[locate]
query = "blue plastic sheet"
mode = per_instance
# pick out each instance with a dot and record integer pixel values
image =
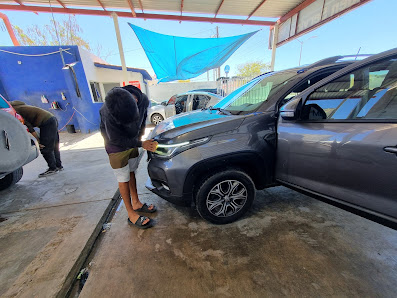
(182, 58)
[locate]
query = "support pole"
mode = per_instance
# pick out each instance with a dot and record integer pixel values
(9, 29)
(120, 44)
(217, 36)
(274, 46)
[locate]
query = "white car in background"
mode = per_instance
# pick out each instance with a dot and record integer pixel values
(180, 103)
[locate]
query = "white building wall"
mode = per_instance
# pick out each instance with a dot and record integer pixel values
(106, 75)
(164, 91)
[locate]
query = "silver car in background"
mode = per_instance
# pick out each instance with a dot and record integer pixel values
(180, 103)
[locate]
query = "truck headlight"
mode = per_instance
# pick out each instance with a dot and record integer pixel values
(170, 150)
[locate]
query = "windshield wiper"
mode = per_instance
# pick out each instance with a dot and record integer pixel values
(218, 109)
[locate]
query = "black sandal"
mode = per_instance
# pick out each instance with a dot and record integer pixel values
(139, 222)
(145, 209)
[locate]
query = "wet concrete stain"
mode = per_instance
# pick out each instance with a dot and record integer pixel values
(12, 266)
(287, 245)
(43, 236)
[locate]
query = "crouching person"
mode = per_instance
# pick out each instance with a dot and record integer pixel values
(49, 137)
(120, 127)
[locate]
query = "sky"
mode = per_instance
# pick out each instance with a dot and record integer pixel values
(370, 28)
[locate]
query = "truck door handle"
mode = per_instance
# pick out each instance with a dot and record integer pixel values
(7, 141)
(391, 149)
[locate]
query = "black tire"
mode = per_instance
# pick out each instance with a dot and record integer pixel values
(215, 191)
(11, 179)
(156, 118)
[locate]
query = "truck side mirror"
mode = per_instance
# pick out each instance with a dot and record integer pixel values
(290, 110)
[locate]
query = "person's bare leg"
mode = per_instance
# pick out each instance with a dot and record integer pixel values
(125, 194)
(136, 203)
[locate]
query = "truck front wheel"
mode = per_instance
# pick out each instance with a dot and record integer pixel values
(225, 196)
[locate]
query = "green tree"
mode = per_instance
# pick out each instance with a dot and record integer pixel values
(251, 69)
(65, 32)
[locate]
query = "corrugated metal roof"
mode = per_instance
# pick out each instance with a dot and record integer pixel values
(295, 17)
(232, 8)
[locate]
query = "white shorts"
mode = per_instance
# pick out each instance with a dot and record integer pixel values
(123, 163)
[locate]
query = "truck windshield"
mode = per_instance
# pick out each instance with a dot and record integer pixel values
(251, 96)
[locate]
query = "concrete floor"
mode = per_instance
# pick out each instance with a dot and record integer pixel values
(288, 245)
(52, 222)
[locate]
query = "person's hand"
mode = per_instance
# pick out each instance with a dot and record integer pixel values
(36, 136)
(149, 145)
(41, 146)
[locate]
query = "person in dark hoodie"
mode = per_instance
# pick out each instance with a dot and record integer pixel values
(49, 137)
(120, 128)
(143, 104)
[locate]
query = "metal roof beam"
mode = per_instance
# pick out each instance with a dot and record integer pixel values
(181, 10)
(63, 5)
(315, 26)
(101, 4)
(9, 29)
(140, 4)
(297, 9)
(132, 8)
(256, 9)
(137, 15)
(219, 8)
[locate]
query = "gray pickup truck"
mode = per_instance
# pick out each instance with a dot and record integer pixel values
(328, 130)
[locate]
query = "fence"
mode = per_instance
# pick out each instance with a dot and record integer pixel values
(225, 85)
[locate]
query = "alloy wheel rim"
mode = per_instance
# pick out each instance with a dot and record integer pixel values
(157, 120)
(226, 198)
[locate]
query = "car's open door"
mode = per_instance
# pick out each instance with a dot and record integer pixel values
(339, 137)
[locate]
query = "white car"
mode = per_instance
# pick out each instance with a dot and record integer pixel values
(180, 103)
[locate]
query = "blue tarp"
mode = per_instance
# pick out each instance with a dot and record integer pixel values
(182, 58)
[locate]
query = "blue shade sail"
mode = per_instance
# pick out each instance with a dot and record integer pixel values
(182, 58)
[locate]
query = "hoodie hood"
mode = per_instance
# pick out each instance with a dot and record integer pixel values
(143, 101)
(142, 107)
(134, 91)
(121, 106)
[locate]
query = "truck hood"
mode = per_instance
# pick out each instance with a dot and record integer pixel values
(194, 125)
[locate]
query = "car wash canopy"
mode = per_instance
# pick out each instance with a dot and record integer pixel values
(288, 18)
(182, 58)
